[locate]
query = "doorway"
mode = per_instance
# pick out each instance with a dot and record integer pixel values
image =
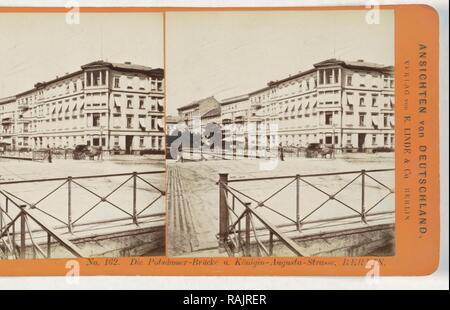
(361, 142)
(128, 144)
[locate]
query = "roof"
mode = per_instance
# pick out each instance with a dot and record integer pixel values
(358, 64)
(172, 119)
(127, 66)
(194, 104)
(212, 113)
(234, 99)
(7, 99)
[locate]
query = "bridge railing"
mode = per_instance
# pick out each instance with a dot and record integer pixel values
(233, 231)
(69, 196)
(238, 229)
(14, 232)
(23, 220)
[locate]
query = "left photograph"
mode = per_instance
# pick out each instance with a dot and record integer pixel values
(82, 170)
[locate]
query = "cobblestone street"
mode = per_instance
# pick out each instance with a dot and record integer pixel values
(193, 193)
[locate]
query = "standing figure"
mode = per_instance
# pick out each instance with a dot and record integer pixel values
(49, 153)
(281, 152)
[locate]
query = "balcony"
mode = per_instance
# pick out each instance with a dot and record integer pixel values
(7, 120)
(23, 105)
(256, 106)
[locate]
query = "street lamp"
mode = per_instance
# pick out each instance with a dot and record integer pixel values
(101, 142)
(334, 140)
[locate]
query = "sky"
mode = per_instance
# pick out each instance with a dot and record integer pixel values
(231, 53)
(39, 47)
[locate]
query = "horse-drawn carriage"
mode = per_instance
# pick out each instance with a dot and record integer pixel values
(313, 150)
(83, 151)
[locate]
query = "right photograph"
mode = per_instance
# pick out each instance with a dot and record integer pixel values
(280, 133)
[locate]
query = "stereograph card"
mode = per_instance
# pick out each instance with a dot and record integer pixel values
(219, 141)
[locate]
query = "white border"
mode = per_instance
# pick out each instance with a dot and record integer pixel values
(438, 280)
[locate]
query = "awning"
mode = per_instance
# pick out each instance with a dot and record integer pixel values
(160, 103)
(74, 106)
(392, 121)
(117, 102)
(391, 101)
(160, 123)
(307, 105)
(54, 110)
(315, 103)
(67, 107)
(142, 123)
(279, 109)
(350, 100)
(60, 109)
(293, 107)
(7, 115)
(375, 121)
(287, 109)
(239, 138)
(82, 106)
(240, 114)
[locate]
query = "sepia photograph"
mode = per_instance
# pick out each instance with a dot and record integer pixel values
(280, 133)
(82, 170)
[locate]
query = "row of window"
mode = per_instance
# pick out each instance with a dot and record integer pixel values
(138, 83)
(388, 140)
(155, 142)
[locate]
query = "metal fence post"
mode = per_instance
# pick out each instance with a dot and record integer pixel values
(363, 189)
(134, 198)
(69, 203)
(223, 209)
(271, 243)
(49, 245)
(22, 233)
(247, 232)
(297, 183)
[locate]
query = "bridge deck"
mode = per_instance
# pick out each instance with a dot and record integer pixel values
(101, 230)
(193, 201)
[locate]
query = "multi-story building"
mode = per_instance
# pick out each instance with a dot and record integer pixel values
(171, 124)
(348, 104)
(202, 111)
(116, 106)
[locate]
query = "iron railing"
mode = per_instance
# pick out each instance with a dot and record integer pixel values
(237, 236)
(222, 153)
(11, 249)
(15, 209)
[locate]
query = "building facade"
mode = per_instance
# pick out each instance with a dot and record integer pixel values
(347, 104)
(116, 106)
(199, 113)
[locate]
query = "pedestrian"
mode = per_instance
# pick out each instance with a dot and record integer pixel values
(281, 152)
(49, 153)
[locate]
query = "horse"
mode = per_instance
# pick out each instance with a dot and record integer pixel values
(325, 150)
(93, 151)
